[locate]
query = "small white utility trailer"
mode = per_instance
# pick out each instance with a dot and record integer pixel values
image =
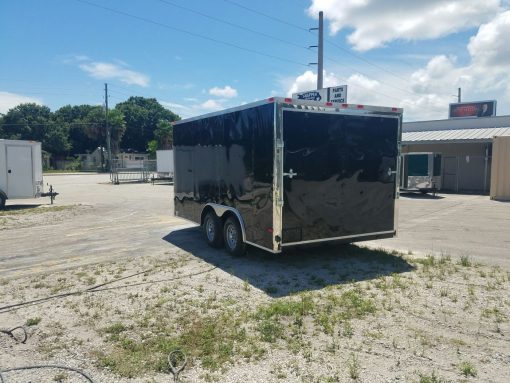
(165, 163)
(164, 166)
(21, 171)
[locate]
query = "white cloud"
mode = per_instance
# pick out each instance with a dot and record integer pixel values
(308, 81)
(430, 89)
(212, 105)
(377, 22)
(9, 100)
(111, 71)
(226, 92)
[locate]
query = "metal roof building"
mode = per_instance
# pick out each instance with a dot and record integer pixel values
(465, 145)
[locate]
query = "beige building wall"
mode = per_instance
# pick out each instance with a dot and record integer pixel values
(500, 179)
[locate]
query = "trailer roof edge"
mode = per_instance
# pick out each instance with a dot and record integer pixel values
(314, 105)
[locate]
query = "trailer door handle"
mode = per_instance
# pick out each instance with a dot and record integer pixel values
(390, 172)
(290, 174)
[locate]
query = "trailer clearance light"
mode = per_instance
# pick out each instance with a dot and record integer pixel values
(329, 104)
(269, 230)
(271, 99)
(345, 105)
(394, 109)
(288, 100)
(360, 106)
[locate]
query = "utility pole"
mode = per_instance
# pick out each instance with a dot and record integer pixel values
(458, 96)
(108, 138)
(320, 51)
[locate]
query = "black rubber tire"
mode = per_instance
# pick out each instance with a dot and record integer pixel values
(2, 201)
(212, 230)
(233, 237)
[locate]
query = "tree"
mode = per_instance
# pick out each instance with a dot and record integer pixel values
(164, 134)
(95, 127)
(75, 119)
(35, 122)
(142, 116)
(26, 122)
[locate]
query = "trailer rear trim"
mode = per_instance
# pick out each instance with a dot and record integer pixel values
(338, 238)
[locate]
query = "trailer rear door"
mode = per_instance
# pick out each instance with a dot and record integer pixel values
(339, 175)
(20, 177)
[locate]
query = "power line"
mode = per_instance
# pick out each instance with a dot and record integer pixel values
(267, 16)
(217, 41)
(327, 40)
(226, 22)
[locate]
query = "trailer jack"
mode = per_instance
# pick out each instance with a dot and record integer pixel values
(52, 194)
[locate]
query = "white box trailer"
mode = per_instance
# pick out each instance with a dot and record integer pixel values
(165, 163)
(21, 173)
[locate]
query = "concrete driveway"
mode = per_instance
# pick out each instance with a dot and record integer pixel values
(132, 220)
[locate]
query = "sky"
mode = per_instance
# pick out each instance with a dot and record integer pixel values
(198, 56)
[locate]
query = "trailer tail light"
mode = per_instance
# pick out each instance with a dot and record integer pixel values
(360, 106)
(329, 104)
(271, 99)
(288, 99)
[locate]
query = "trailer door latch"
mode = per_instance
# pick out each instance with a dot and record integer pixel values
(390, 172)
(290, 174)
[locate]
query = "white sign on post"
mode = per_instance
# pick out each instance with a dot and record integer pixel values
(336, 94)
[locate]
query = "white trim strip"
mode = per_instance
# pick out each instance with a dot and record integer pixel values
(262, 247)
(337, 238)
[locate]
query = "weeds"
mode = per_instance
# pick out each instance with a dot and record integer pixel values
(467, 369)
(33, 321)
(353, 366)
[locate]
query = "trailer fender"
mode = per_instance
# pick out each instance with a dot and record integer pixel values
(220, 211)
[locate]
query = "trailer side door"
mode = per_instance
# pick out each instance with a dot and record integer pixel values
(20, 177)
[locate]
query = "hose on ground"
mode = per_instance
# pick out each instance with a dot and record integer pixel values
(57, 366)
(12, 333)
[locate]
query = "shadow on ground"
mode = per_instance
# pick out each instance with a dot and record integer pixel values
(420, 195)
(296, 270)
(20, 207)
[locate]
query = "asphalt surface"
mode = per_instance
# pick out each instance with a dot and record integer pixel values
(132, 220)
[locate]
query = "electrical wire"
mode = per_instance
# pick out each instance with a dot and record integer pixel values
(327, 40)
(194, 34)
(99, 288)
(226, 22)
(57, 366)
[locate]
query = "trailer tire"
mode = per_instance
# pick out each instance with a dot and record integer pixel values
(2, 200)
(213, 230)
(233, 237)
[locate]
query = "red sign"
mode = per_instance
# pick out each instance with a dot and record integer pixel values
(473, 109)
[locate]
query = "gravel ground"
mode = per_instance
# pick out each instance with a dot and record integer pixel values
(326, 314)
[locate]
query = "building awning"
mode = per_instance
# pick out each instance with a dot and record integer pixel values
(453, 136)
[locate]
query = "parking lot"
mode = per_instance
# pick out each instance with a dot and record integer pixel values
(108, 281)
(106, 222)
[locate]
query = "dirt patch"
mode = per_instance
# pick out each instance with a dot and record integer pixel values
(335, 314)
(22, 217)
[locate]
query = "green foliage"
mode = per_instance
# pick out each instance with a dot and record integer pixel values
(164, 134)
(152, 146)
(142, 116)
(467, 369)
(33, 321)
(77, 129)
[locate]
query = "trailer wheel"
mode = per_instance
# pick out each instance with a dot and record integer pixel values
(233, 237)
(212, 230)
(2, 201)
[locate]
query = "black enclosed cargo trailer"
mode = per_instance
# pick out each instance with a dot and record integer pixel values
(283, 172)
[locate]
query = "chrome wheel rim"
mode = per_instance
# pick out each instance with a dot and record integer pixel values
(209, 229)
(231, 236)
